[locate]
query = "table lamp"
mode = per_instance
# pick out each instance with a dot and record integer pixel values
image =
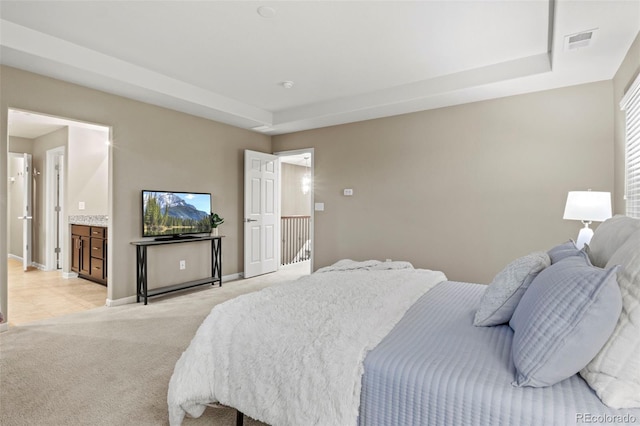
(587, 206)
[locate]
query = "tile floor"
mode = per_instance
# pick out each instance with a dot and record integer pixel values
(36, 294)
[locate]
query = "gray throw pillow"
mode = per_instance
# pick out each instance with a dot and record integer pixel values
(505, 291)
(563, 320)
(563, 250)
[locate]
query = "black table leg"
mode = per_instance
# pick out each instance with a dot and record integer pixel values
(216, 260)
(141, 273)
(239, 418)
(144, 276)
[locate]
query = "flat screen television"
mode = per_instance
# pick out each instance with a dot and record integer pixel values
(170, 214)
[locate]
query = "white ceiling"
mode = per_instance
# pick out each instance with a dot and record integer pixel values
(26, 124)
(349, 60)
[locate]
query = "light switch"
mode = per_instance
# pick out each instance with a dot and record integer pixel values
(80, 205)
(319, 207)
(348, 192)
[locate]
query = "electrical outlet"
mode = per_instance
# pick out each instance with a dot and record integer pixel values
(183, 264)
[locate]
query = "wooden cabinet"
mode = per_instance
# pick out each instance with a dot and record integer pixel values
(80, 249)
(89, 252)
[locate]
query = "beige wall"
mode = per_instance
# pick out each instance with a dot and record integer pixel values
(294, 201)
(152, 147)
(87, 172)
(17, 144)
(623, 79)
(464, 189)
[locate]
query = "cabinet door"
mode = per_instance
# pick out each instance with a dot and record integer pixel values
(76, 253)
(85, 257)
(97, 269)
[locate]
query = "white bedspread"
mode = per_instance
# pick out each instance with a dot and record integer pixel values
(293, 354)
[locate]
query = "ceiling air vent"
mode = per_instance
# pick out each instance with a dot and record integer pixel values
(579, 40)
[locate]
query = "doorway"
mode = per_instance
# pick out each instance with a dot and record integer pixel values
(296, 209)
(55, 143)
(19, 208)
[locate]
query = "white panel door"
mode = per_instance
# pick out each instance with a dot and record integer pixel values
(261, 213)
(27, 217)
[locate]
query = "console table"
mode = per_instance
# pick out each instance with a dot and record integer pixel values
(141, 266)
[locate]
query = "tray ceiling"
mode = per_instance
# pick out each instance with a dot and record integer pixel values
(347, 60)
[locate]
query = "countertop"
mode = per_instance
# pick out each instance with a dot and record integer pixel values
(90, 220)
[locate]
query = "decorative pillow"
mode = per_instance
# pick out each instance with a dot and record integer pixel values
(505, 291)
(563, 250)
(563, 320)
(609, 236)
(615, 372)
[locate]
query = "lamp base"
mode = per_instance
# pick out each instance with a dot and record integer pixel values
(584, 236)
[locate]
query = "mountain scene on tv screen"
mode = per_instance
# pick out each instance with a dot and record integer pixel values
(169, 214)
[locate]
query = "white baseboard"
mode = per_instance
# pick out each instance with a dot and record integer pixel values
(127, 300)
(232, 277)
(119, 302)
(34, 264)
(39, 266)
(132, 299)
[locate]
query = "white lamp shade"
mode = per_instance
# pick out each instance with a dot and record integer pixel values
(588, 206)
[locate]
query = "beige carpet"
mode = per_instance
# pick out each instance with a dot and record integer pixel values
(109, 366)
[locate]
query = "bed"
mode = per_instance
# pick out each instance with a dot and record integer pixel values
(554, 339)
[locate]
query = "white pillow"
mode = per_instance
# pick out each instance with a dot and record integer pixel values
(505, 291)
(615, 372)
(609, 236)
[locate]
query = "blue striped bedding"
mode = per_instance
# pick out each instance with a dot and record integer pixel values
(436, 368)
